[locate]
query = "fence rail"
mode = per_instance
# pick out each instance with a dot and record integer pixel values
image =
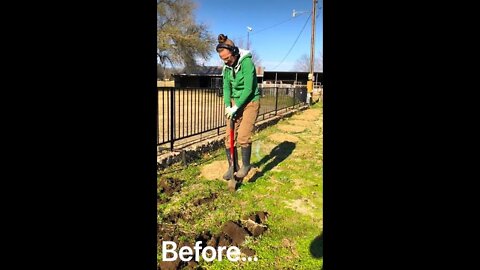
(192, 112)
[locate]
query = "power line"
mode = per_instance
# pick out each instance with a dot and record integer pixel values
(320, 8)
(295, 41)
(266, 28)
(261, 30)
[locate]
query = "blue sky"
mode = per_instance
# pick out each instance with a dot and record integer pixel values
(274, 29)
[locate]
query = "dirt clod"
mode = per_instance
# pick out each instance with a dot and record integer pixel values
(236, 232)
(224, 240)
(168, 186)
(170, 265)
(233, 233)
(262, 216)
(201, 201)
(247, 251)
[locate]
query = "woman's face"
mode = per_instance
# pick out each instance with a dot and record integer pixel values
(227, 57)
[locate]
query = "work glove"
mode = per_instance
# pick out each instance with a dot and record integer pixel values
(230, 111)
(227, 109)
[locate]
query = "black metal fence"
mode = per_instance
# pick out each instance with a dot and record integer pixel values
(188, 112)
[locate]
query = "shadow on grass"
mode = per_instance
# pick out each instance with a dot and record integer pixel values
(316, 247)
(278, 154)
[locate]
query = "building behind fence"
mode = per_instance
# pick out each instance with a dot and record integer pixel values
(189, 114)
(211, 77)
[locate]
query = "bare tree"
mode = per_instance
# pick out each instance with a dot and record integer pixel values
(255, 57)
(162, 60)
(165, 73)
(303, 63)
(180, 40)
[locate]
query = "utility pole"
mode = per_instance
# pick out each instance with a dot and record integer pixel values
(312, 55)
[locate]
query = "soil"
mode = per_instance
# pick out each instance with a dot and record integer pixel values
(278, 137)
(233, 233)
(208, 199)
(168, 186)
(291, 128)
(299, 123)
(250, 175)
(216, 169)
(308, 115)
(301, 206)
(305, 117)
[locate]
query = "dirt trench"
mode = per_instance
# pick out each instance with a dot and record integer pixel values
(232, 233)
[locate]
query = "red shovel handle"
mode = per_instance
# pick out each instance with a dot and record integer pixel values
(232, 143)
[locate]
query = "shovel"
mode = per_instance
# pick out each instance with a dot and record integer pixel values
(232, 182)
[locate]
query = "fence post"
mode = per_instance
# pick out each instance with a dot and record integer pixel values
(294, 90)
(184, 158)
(276, 99)
(172, 118)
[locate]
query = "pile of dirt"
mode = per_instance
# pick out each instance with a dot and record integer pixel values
(215, 170)
(171, 232)
(168, 186)
(208, 199)
(233, 233)
(254, 223)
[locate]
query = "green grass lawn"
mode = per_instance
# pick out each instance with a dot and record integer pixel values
(289, 187)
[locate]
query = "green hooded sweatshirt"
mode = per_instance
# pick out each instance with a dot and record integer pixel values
(240, 82)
